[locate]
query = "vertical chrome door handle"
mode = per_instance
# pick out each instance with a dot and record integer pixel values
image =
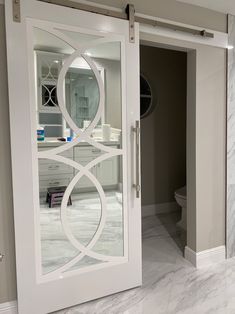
(136, 130)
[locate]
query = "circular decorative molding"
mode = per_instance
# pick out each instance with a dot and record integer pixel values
(83, 170)
(146, 99)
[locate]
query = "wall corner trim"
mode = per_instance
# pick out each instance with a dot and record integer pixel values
(8, 308)
(205, 258)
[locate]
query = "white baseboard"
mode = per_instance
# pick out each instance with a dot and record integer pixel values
(151, 210)
(205, 258)
(8, 308)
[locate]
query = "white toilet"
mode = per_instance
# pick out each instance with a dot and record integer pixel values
(181, 199)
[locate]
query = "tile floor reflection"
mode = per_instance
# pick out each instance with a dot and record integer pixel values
(83, 217)
(171, 285)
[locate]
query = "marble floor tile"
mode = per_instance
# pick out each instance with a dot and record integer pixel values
(171, 285)
(83, 219)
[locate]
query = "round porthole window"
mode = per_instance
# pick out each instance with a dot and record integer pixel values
(146, 103)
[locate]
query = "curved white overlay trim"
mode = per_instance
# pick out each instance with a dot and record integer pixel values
(84, 250)
(82, 48)
(81, 136)
(61, 95)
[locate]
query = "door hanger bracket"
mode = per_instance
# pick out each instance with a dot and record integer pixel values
(130, 11)
(16, 10)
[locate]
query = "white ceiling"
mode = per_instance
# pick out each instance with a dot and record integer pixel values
(224, 6)
(47, 42)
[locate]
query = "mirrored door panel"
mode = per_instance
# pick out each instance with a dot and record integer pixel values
(81, 158)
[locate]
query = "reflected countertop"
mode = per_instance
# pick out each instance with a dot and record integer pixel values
(49, 143)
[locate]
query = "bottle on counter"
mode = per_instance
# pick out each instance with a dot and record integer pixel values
(40, 134)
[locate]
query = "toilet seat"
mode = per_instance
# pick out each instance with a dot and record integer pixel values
(181, 193)
(181, 199)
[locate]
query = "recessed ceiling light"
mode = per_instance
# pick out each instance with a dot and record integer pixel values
(230, 47)
(56, 61)
(88, 54)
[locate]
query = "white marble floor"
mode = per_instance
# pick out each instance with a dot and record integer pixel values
(83, 220)
(170, 284)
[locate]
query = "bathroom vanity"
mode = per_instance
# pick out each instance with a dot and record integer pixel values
(82, 97)
(53, 173)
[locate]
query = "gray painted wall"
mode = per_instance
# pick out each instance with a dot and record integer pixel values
(191, 149)
(206, 116)
(166, 9)
(7, 267)
(210, 147)
(163, 132)
(175, 11)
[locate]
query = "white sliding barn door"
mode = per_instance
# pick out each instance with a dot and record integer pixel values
(73, 75)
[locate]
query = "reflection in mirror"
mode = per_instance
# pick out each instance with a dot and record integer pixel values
(79, 38)
(111, 241)
(53, 178)
(107, 56)
(84, 262)
(82, 93)
(86, 206)
(81, 90)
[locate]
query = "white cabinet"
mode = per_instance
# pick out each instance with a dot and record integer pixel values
(51, 168)
(49, 115)
(53, 173)
(48, 68)
(107, 172)
(47, 181)
(85, 182)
